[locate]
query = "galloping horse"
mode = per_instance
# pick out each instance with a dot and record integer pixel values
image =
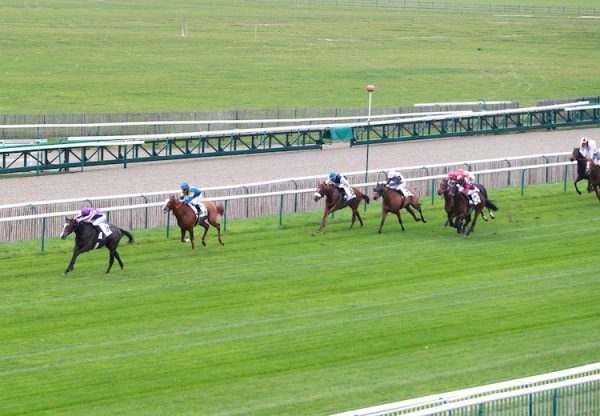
(334, 200)
(444, 189)
(594, 176)
(86, 239)
(394, 202)
(458, 209)
(186, 218)
(581, 169)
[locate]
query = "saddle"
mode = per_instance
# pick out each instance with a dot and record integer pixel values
(200, 211)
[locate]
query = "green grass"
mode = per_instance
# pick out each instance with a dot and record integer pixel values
(83, 56)
(278, 322)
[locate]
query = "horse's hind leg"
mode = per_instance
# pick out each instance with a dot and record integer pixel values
(205, 226)
(119, 259)
(355, 212)
(215, 224)
(111, 260)
(411, 212)
(399, 219)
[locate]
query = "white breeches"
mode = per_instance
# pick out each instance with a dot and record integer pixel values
(99, 220)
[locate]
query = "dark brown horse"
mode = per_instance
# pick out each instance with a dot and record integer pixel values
(458, 209)
(594, 175)
(582, 169)
(186, 218)
(443, 189)
(334, 200)
(393, 202)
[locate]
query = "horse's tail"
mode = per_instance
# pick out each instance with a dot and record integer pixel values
(366, 198)
(489, 204)
(128, 234)
(220, 209)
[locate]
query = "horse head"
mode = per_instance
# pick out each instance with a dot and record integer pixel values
(379, 190)
(171, 203)
(70, 226)
(322, 190)
(576, 155)
(443, 187)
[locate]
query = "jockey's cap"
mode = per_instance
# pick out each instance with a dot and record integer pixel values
(391, 174)
(332, 175)
(584, 140)
(86, 210)
(184, 186)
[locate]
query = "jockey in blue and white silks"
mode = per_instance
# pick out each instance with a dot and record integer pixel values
(191, 196)
(340, 182)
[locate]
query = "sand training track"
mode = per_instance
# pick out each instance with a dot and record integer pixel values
(233, 170)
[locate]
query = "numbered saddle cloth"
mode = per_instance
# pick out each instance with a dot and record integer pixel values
(200, 211)
(104, 231)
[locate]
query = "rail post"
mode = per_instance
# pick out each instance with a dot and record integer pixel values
(546, 160)
(280, 209)
(295, 195)
(145, 211)
(125, 157)
(565, 178)
(168, 223)
(247, 199)
(523, 171)
(225, 215)
(43, 233)
(508, 177)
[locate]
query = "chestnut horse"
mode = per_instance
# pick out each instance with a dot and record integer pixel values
(186, 218)
(334, 200)
(393, 202)
(444, 189)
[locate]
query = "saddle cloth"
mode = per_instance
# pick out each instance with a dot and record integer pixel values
(104, 229)
(203, 211)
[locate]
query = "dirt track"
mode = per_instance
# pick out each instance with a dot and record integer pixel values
(230, 170)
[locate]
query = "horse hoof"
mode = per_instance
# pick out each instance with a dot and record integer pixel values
(187, 240)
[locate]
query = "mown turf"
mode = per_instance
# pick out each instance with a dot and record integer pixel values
(107, 56)
(278, 322)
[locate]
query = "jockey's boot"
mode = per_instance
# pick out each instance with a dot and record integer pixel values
(99, 232)
(349, 197)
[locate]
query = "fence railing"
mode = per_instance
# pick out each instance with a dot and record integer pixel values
(274, 198)
(446, 5)
(516, 397)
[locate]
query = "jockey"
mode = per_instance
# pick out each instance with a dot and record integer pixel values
(95, 217)
(92, 215)
(396, 181)
(340, 182)
(588, 149)
(466, 188)
(191, 196)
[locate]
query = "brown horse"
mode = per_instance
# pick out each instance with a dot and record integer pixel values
(186, 218)
(458, 209)
(594, 175)
(582, 169)
(393, 202)
(334, 200)
(444, 189)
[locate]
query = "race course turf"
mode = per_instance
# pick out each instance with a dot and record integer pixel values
(279, 322)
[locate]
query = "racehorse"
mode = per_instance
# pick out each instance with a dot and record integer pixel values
(334, 200)
(458, 209)
(581, 169)
(394, 202)
(86, 239)
(444, 189)
(594, 176)
(186, 218)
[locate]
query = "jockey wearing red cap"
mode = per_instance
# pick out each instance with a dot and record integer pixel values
(466, 187)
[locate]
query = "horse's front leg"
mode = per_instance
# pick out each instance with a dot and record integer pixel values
(575, 183)
(384, 213)
(183, 235)
(191, 233)
(325, 217)
(71, 265)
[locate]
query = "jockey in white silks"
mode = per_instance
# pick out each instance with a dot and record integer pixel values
(396, 181)
(340, 182)
(588, 149)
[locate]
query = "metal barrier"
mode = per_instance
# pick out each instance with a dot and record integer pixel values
(156, 147)
(555, 393)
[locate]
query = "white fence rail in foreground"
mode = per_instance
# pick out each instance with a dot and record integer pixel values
(575, 391)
